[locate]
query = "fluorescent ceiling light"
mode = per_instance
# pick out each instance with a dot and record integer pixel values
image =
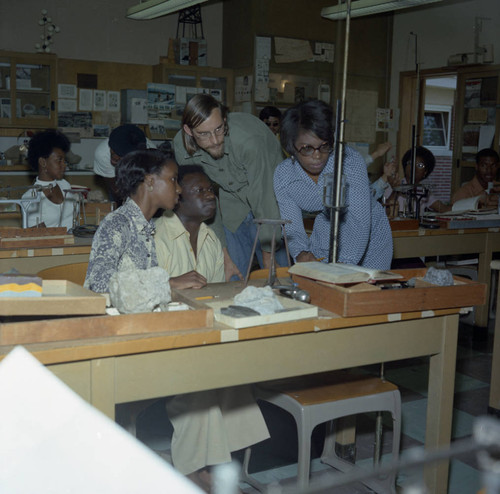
(369, 7)
(156, 8)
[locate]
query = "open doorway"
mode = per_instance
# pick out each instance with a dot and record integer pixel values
(437, 131)
(427, 117)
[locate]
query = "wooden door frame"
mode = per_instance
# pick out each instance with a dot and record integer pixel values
(408, 104)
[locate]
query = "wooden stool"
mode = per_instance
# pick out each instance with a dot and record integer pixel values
(313, 400)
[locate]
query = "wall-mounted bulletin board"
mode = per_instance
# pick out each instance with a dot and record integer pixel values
(288, 70)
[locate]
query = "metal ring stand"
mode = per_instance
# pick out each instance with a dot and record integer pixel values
(272, 268)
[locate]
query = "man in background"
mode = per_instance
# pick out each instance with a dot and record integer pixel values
(477, 192)
(122, 140)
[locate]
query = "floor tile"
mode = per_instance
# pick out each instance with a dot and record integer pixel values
(414, 378)
(466, 383)
(474, 402)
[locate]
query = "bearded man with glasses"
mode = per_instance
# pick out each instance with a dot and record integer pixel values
(239, 154)
(364, 234)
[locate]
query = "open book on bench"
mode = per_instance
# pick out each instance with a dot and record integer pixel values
(340, 273)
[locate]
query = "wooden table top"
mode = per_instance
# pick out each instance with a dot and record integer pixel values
(148, 332)
(421, 232)
(81, 246)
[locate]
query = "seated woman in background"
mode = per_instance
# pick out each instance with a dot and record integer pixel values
(424, 165)
(47, 155)
(364, 233)
(271, 116)
(208, 425)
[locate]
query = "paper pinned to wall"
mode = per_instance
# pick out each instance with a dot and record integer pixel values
(243, 88)
(385, 119)
(477, 115)
(86, 100)
(262, 47)
(65, 105)
(262, 57)
(139, 110)
(360, 111)
(292, 50)
(66, 91)
(486, 135)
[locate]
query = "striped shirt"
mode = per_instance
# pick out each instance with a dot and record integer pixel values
(364, 233)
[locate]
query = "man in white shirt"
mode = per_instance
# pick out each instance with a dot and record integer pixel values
(122, 140)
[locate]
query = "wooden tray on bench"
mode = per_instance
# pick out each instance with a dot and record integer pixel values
(59, 298)
(363, 299)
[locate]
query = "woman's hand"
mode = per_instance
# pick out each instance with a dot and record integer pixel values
(391, 174)
(381, 150)
(306, 257)
(192, 279)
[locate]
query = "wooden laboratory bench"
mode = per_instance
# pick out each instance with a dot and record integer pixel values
(117, 369)
(147, 356)
(33, 260)
(483, 242)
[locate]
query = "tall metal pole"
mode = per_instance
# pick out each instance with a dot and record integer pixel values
(413, 203)
(339, 148)
(417, 110)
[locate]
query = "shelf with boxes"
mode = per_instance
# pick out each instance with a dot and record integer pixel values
(27, 90)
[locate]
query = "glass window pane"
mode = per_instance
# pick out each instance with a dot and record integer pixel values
(434, 120)
(434, 138)
(33, 91)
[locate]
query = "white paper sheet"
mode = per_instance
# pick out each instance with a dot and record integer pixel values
(486, 135)
(52, 441)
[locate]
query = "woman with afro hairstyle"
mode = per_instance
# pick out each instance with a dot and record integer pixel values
(47, 155)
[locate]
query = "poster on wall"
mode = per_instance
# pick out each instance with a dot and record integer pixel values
(324, 52)
(66, 91)
(113, 100)
(66, 105)
(139, 111)
(86, 100)
(243, 88)
(361, 110)
(161, 101)
(262, 58)
(288, 50)
(99, 100)
(384, 119)
(76, 122)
